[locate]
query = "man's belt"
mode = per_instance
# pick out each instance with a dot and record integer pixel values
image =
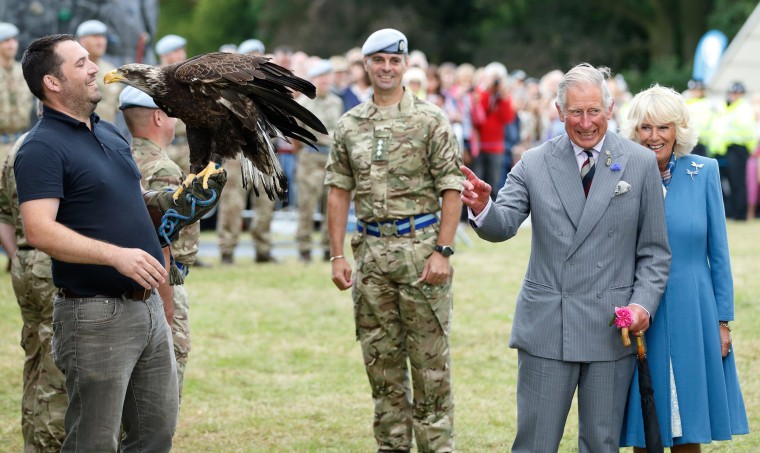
(138, 294)
(398, 227)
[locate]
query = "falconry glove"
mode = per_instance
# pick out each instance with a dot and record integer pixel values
(169, 216)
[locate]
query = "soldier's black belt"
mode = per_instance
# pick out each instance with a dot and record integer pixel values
(138, 294)
(398, 227)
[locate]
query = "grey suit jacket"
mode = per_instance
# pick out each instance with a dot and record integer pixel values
(587, 255)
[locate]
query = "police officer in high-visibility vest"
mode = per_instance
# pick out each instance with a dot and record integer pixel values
(735, 136)
(702, 112)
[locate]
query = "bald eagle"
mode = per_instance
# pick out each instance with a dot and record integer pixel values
(231, 104)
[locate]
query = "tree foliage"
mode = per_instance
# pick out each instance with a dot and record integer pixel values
(646, 39)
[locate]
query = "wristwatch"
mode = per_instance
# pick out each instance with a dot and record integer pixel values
(444, 250)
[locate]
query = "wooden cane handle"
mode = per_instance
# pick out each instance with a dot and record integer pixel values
(624, 337)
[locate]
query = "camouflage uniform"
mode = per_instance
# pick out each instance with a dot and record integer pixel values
(179, 151)
(398, 160)
(44, 400)
(15, 107)
(159, 173)
(263, 210)
(310, 176)
(109, 104)
(231, 205)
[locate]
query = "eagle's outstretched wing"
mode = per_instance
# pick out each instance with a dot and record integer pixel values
(259, 94)
(232, 104)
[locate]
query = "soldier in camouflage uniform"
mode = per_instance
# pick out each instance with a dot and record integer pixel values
(44, 400)
(399, 155)
(92, 36)
(310, 176)
(15, 98)
(152, 131)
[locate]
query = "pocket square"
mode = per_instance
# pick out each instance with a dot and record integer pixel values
(621, 188)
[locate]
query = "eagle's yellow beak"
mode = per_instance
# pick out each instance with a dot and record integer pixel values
(113, 77)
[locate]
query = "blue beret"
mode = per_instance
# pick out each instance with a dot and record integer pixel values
(319, 68)
(228, 48)
(132, 97)
(169, 43)
(251, 45)
(386, 40)
(91, 27)
(7, 31)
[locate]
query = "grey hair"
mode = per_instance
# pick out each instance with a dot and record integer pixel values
(661, 105)
(584, 74)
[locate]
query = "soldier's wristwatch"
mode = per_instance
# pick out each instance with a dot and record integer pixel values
(444, 250)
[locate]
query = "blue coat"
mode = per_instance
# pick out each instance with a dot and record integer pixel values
(685, 330)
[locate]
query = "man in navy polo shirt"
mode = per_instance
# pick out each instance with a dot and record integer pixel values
(81, 202)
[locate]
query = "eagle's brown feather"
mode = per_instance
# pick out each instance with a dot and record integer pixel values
(231, 104)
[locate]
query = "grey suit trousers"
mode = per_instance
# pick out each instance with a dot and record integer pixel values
(545, 390)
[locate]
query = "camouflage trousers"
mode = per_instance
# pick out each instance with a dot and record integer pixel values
(44, 400)
(400, 319)
(231, 205)
(181, 332)
(310, 183)
(263, 213)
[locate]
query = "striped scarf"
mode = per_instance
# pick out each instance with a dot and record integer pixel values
(666, 174)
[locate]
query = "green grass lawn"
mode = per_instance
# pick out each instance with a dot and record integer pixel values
(275, 367)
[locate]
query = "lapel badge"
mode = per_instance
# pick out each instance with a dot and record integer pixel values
(608, 160)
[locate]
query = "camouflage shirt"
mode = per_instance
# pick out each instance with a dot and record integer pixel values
(15, 100)
(161, 173)
(398, 159)
(9, 210)
(328, 109)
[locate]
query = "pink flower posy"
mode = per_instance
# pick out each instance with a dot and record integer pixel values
(623, 317)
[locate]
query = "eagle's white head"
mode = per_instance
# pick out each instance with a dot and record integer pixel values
(149, 79)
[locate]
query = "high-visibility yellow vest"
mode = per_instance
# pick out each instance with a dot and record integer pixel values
(735, 126)
(702, 112)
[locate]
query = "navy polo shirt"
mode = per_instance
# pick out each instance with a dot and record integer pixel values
(96, 179)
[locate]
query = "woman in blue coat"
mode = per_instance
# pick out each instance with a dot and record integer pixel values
(696, 387)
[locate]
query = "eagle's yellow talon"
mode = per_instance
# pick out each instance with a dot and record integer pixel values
(211, 169)
(181, 188)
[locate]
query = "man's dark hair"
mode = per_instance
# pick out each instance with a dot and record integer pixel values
(40, 59)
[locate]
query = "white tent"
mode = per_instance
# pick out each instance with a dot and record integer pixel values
(741, 61)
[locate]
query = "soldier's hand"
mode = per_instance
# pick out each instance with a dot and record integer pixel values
(341, 274)
(437, 270)
(476, 192)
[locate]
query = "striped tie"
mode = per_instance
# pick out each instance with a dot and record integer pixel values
(587, 171)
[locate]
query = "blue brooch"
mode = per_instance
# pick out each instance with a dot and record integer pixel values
(616, 167)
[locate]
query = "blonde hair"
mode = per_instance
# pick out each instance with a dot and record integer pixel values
(661, 105)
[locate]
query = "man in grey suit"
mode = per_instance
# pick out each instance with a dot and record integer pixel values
(589, 254)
